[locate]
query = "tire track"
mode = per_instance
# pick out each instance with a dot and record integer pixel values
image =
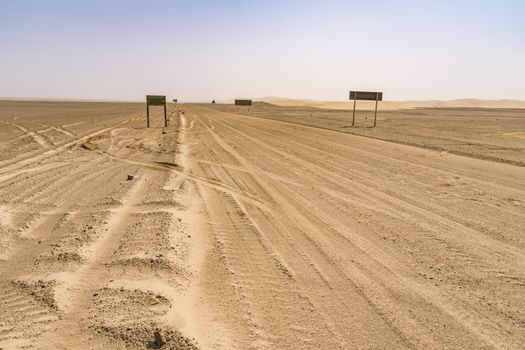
(42, 141)
(22, 318)
(16, 166)
(482, 328)
(341, 339)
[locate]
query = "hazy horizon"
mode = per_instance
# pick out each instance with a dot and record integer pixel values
(203, 50)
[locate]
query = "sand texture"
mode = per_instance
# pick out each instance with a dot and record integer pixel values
(389, 104)
(262, 228)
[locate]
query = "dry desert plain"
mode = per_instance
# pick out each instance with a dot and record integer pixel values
(246, 229)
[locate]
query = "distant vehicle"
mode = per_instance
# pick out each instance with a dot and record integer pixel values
(175, 100)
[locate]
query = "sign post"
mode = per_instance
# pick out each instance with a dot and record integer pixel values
(243, 103)
(366, 96)
(375, 111)
(353, 115)
(156, 100)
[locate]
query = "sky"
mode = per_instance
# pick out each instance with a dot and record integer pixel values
(198, 50)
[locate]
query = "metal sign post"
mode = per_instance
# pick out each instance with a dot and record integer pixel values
(366, 96)
(353, 115)
(156, 100)
(147, 114)
(375, 111)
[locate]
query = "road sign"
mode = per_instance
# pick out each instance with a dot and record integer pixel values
(366, 96)
(156, 100)
(243, 102)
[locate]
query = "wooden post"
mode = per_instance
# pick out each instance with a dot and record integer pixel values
(375, 113)
(353, 116)
(147, 113)
(166, 117)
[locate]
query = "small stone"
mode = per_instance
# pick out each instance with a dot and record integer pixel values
(158, 339)
(130, 177)
(153, 301)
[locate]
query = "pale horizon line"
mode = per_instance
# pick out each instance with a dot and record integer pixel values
(261, 99)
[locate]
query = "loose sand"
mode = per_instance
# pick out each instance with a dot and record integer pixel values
(390, 105)
(254, 231)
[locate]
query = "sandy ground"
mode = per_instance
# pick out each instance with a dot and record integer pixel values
(394, 105)
(491, 134)
(242, 232)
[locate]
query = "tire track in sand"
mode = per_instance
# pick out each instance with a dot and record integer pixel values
(272, 257)
(483, 329)
(78, 287)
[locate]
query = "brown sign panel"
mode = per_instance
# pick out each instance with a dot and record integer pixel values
(243, 102)
(366, 95)
(155, 100)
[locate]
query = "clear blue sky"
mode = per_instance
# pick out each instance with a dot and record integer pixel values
(198, 49)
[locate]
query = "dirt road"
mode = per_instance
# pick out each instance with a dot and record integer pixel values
(90, 259)
(244, 232)
(485, 133)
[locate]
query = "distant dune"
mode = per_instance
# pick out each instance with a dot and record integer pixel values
(390, 105)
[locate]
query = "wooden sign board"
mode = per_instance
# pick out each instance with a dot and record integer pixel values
(243, 102)
(366, 95)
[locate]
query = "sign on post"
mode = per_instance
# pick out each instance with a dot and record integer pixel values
(156, 100)
(365, 96)
(243, 102)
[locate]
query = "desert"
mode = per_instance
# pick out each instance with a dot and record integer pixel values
(262, 227)
(262, 175)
